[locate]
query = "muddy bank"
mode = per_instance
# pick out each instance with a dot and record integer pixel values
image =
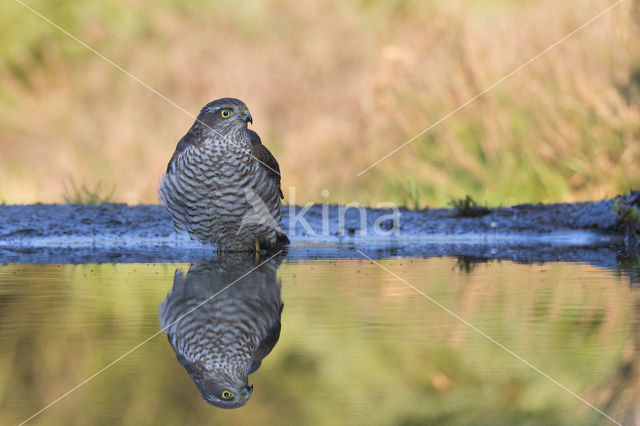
(144, 233)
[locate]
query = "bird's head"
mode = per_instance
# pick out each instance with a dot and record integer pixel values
(220, 387)
(222, 392)
(225, 115)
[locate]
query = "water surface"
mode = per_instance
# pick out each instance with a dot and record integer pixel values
(353, 343)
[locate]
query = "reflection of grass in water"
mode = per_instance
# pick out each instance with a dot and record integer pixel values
(629, 265)
(341, 345)
(84, 195)
(468, 264)
(335, 96)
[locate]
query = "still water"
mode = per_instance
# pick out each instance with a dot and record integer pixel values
(318, 342)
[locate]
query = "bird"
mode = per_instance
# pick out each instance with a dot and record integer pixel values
(222, 185)
(221, 320)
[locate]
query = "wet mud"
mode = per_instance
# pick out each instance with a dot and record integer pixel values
(583, 232)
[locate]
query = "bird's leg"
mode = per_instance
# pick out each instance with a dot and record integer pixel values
(219, 250)
(256, 247)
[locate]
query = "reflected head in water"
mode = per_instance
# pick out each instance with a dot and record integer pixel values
(223, 341)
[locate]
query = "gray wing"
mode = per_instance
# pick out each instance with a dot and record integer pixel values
(191, 138)
(267, 160)
(266, 344)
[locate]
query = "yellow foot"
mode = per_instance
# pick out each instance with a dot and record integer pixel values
(256, 243)
(219, 250)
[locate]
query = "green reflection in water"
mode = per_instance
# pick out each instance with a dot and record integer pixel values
(357, 346)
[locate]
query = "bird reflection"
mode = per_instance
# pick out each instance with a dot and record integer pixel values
(224, 339)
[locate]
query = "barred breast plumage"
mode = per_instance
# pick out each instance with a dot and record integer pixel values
(222, 186)
(222, 319)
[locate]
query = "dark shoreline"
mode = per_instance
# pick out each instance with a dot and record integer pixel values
(576, 232)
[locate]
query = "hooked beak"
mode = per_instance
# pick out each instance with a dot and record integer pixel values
(248, 390)
(246, 117)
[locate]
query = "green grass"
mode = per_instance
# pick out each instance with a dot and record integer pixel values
(628, 221)
(468, 207)
(627, 216)
(85, 195)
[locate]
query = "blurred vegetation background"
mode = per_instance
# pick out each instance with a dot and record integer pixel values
(332, 87)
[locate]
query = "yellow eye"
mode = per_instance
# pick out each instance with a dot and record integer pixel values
(226, 394)
(226, 113)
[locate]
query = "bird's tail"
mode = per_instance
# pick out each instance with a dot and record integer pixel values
(282, 239)
(260, 214)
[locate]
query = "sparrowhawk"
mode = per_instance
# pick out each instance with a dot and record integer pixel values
(222, 185)
(222, 319)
